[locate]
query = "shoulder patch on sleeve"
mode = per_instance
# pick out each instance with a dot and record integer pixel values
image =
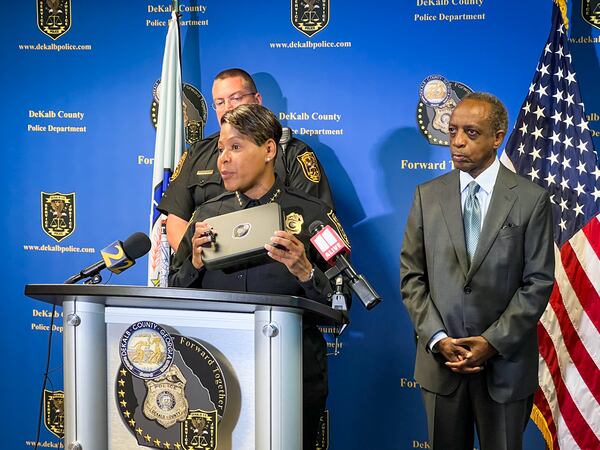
(177, 170)
(338, 226)
(310, 166)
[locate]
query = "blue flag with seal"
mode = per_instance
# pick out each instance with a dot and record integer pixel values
(168, 148)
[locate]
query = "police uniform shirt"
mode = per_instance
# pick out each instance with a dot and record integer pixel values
(299, 211)
(196, 178)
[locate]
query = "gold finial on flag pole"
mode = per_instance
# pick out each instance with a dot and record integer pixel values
(562, 4)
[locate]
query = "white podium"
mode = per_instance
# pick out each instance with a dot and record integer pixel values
(237, 356)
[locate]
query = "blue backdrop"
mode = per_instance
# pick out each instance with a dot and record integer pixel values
(365, 66)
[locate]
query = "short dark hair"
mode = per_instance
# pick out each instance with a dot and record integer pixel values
(498, 113)
(255, 121)
(235, 72)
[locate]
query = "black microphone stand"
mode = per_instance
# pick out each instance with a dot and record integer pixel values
(94, 277)
(93, 273)
(338, 302)
(357, 283)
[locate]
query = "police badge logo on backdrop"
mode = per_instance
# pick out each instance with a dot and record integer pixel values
(310, 16)
(54, 412)
(170, 390)
(590, 11)
(53, 17)
(195, 111)
(58, 214)
(438, 98)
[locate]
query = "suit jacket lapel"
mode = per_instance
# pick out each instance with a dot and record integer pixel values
(449, 199)
(500, 205)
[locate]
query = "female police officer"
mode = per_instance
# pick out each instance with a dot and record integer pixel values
(247, 149)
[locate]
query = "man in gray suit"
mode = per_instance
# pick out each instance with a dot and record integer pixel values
(477, 266)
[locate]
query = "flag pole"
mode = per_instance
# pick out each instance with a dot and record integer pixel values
(175, 7)
(168, 149)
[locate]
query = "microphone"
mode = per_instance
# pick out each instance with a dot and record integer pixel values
(327, 241)
(116, 257)
(334, 250)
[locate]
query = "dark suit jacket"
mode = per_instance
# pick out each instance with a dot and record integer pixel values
(500, 297)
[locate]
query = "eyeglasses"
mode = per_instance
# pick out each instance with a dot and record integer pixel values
(234, 100)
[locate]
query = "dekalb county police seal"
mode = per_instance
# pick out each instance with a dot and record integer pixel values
(53, 17)
(146, 350)
(195, 111)
(310, 16)
(434, 90)
(54, 412)
(438, 98)
(180, 409)
(590, 11)
(58, 214)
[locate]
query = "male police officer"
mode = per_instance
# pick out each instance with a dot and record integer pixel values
(196, 179)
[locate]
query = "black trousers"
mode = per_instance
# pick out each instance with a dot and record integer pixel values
(312, 412)
(314, 383)
(451, 419)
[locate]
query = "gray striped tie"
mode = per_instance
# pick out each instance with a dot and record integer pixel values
(472, 219)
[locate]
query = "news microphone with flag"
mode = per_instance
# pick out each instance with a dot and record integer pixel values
(333, 249)
(116, 257)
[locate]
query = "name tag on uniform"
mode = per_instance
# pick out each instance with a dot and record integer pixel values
(205, 172)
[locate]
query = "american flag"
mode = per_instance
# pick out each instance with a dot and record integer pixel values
(551, 145)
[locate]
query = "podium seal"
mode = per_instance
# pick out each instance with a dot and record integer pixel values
(146, 350)
(165, 401)
(180, 408)
(199, 430)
